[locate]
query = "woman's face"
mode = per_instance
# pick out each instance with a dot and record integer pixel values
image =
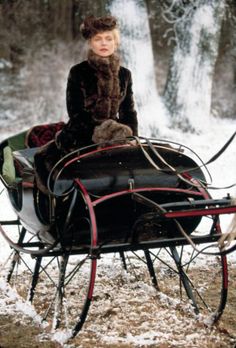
(103, 44)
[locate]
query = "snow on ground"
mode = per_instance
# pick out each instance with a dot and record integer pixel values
(12, 303)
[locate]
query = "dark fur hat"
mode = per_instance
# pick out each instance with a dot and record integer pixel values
(93, 25)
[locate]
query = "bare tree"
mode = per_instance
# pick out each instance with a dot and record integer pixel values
(196, 26)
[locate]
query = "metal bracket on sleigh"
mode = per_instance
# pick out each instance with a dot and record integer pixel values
(123, 198)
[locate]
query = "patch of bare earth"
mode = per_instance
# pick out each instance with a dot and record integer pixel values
(16, 332)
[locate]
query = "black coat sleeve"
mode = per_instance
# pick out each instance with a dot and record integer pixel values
(127, 112)
(78, 131)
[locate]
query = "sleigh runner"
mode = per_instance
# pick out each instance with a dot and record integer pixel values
(150, 197)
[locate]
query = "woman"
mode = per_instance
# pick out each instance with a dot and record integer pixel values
(98, 89)
(99, 97)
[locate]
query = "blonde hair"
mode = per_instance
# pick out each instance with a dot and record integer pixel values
(116, 34)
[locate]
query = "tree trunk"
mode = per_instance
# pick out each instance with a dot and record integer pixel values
(60, 18)
(189, 84)
(161, 44)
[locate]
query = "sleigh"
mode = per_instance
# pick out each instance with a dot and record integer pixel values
(148, 199)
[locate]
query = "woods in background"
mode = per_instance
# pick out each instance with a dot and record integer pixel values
(32, 24)
(35, 22)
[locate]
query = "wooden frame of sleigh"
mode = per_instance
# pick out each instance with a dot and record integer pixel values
(148, 199)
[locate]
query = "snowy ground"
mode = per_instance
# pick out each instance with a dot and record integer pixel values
(127, 311)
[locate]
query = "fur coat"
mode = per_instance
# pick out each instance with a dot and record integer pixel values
(100, 106)
(93, 97)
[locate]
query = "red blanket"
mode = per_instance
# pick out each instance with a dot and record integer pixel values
(40, 135)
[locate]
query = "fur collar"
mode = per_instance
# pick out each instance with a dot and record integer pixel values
(108, 86)
(106, 65)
